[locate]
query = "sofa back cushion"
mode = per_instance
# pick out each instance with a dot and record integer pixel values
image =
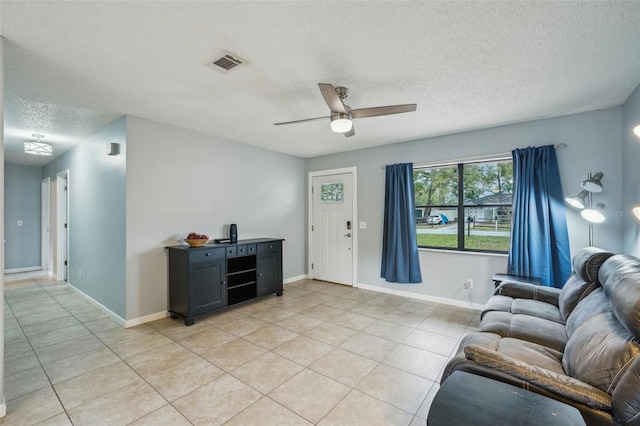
(620, 277)
(600, 349)
(584, 279)
(587, 262)
(625, 400)
(574, 290)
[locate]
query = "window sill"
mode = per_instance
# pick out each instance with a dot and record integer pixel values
(472, 253)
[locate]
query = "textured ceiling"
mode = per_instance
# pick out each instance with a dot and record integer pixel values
(73, 67)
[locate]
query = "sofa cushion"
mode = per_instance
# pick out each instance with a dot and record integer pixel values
(625, 399)
(532, 329)
(531, 307)
(621, 280)
(555, 382)
(587, 262)
(574, 290)
(600, 350)
(594, 303)
(538, 309)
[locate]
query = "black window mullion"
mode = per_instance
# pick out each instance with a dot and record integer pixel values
(461, 216)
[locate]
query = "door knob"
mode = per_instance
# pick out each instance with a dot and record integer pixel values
(348, 235)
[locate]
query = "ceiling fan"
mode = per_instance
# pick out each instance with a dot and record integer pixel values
(342, 115)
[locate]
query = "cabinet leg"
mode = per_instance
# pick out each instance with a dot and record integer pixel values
(279, 293)
(189, 321)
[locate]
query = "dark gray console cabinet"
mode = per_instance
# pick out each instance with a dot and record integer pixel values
(208, 278)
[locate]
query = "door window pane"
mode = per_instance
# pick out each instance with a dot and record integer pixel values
(332, 192)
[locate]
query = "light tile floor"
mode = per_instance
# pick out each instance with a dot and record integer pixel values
(321, 354)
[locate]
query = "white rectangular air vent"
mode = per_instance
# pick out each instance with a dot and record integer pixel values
(225, 62)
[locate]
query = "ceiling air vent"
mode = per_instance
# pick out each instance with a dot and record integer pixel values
(225, 62)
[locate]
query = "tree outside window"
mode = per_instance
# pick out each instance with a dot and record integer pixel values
(464, 206)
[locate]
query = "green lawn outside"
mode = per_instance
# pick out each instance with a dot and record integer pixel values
(477, 242)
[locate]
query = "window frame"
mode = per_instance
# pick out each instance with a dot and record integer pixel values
(460, 207)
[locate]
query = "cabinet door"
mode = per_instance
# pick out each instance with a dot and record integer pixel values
(269, 273)
(207, 286)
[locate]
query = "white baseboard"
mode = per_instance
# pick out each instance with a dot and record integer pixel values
(429, 298)
(146, 318)
(293, 279)
(3, 408)
(27, 269)
(117, 318)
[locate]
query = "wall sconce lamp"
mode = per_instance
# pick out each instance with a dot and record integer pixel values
(583, 201)
(113, 148)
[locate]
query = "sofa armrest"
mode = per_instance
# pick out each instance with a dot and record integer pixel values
(565, 386)
(520, 290)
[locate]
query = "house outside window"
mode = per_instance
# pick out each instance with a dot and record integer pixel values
(464, 206)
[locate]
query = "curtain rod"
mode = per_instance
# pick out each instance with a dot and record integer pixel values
(475, 159)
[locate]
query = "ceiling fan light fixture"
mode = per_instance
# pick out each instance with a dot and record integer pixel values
(341, 123)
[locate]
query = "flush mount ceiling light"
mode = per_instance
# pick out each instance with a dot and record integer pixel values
(36, 147)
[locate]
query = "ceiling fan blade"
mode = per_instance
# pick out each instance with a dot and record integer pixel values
(383, 110)
(350, 133)
(331, 98)
(300, 121)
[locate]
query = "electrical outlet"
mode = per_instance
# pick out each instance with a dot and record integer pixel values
(468, 283)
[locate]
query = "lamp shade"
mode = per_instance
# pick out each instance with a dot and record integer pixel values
(593, 183)
(636, 211)
(578, 201)
(636, 130)
(594, 214)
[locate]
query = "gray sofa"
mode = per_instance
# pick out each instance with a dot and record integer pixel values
(579, 345)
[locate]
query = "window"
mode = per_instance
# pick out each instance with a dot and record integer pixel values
(464, 206)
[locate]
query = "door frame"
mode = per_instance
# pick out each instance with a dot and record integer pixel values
(354, 199)
(45, 223)
(62, 217)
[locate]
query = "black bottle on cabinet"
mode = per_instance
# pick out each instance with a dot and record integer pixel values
(233, 233)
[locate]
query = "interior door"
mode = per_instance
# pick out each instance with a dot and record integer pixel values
(333, 228)
(45, 235)
(62, 224)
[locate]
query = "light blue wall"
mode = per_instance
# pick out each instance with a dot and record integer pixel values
(180, 181)
(22, 202)
(593, 144)
(631, 173)
(97, 222)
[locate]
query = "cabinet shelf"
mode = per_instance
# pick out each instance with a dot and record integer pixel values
(240, 272)
(241, 285)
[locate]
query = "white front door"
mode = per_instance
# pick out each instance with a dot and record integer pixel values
(333, 228)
